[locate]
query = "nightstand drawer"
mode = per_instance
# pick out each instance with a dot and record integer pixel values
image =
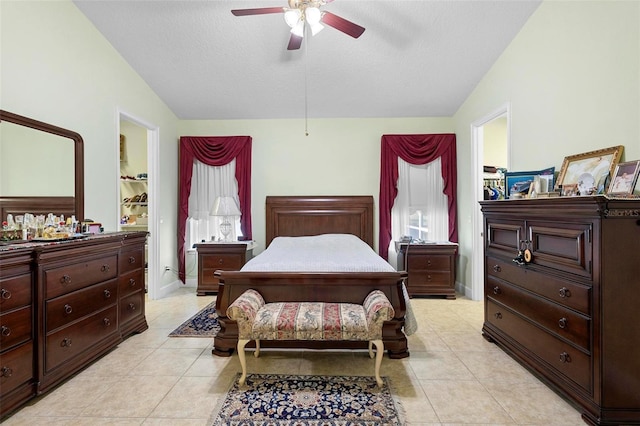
(428, 262)
(222, 261)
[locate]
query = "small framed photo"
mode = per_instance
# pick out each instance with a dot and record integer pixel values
(570, 190)
(518, 184)
(624, 178)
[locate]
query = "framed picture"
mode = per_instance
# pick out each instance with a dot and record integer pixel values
(518, 184)
(570, 190)
(624, 178)
(589, 170)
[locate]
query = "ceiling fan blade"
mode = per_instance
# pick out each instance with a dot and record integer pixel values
(258, 11)
(341, 24)
(294, 42)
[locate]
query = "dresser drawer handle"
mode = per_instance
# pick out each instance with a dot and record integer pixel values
(429, 262)
(132, 259)
(562, 323)
(6, 372)
(5, 294)
(105, 268)
(132, 282)
(565, 358)
(65, 279)
(496, 290)
(66, 342)
(67, 309)
(497, 268)
(498, 315)
(106, 322)
(6, 331)
(428, 277)
(220, 261)
(132, 306)
(107, 294)
(564, 292)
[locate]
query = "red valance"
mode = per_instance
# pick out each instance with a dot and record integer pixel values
(213, 151)
(415, 149)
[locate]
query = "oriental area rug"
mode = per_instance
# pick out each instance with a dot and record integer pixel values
(203, 324)
(288, 400)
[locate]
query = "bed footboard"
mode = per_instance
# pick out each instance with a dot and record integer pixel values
(337, 287)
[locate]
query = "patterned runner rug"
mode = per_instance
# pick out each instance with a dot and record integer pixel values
(203, 324)
(286, 400)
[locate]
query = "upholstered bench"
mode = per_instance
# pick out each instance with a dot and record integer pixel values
(258, 320)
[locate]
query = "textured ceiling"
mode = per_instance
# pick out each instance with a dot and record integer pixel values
(415, 59)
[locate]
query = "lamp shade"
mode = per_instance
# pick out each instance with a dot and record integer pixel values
(225, 206)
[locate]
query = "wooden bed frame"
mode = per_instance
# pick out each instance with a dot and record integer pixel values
(304, 216)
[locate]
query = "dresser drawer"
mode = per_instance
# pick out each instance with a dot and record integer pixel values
(562, 357)
(428, 263)
(555, 318)
(67, 342)
(131, 260)
(72, 277)
(15, 292)
(229, 262)
(15, 327)
(16, 367)
(568, 293)
(131, 282)
(131, 307)
(73, 306)
(565, 246)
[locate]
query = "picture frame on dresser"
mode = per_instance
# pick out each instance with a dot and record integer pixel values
(624, 178)
(593, 165)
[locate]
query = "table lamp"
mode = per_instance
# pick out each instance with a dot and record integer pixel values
(225, 207)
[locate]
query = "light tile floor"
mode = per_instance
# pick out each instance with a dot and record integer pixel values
(452, 377)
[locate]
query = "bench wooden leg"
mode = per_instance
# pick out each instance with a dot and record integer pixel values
(257, 352)
(370, 349)
(243, 362)
(379, 344)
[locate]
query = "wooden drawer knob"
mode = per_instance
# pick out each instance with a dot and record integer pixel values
(5, 294)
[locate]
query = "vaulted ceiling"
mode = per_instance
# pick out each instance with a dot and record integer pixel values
(415, 59)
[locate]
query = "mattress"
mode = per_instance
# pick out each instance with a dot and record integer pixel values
(325, 253)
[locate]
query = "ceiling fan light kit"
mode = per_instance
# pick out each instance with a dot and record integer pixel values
(300, 12)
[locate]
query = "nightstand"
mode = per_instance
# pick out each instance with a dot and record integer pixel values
(431, 268)
(213, 256)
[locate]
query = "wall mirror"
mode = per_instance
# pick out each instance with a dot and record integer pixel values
(41, 168)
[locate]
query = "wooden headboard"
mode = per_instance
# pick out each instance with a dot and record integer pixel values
(295, 216)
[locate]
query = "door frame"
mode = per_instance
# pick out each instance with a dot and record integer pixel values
(477, 143)
(153, 161)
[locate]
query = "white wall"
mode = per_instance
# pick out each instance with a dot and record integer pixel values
(339, 157)
(572, 76)
(57, 68)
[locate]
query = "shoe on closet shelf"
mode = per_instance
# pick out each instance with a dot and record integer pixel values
(143, 197)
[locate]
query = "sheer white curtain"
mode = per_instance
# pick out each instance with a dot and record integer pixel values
(208, 183)
(420, 208)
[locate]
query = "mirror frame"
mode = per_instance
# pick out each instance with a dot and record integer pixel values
(78, 152)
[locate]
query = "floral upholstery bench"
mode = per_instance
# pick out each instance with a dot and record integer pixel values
(258, 320)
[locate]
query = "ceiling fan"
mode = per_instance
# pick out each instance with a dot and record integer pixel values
(300, 12)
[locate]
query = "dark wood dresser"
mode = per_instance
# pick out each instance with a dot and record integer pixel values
(63, 305)
(431, 268)
(215, 256)
(569, 313)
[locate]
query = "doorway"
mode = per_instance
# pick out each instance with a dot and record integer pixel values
(137, 188)
(491, 142)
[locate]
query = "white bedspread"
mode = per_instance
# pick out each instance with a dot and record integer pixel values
(325, 253)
